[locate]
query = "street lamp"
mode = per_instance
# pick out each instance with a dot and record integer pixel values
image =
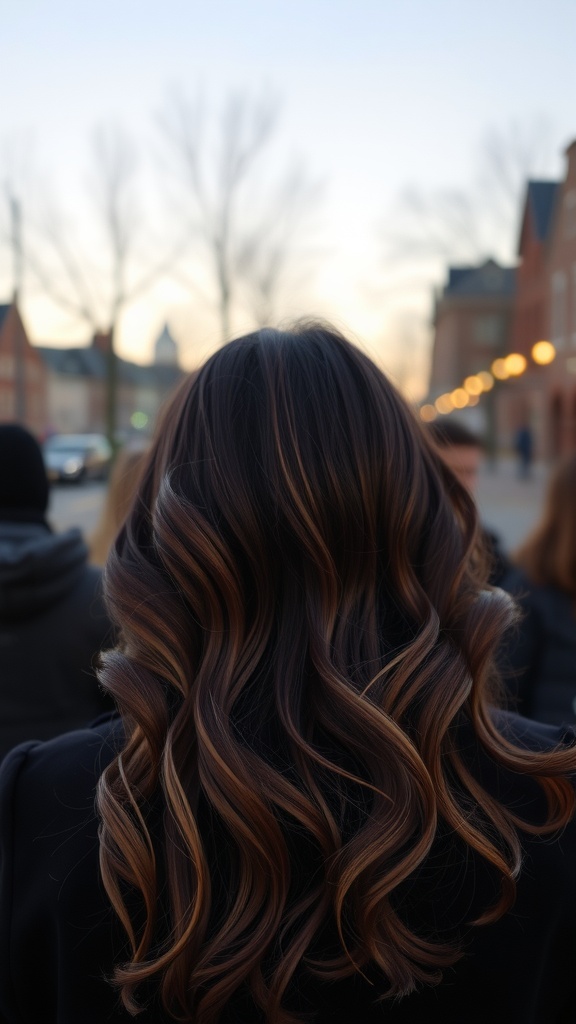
(500, 370)
(515, 363)
(543, 352)
(486, 379)
(428, 413)
(444, 404)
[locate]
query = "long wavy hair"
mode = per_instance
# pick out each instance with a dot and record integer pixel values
(548, 555)
(304, 620)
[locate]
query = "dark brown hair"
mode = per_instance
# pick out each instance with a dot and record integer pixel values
(302, 627)
(449, 433)
(548, 556)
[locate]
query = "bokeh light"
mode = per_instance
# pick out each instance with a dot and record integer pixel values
(444, 404)
(543, 352)
(499, 369)
(486, 379)
(515, 363)
(428, 413)
(139, 420)
(460, 398)
(473, 385)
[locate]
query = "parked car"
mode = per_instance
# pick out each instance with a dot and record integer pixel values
(77, 457)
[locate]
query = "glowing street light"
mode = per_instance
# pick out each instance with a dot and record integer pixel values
(473, 385)
(486, 379)
(543, 352)
(428, 413)
(515, 363)
(460, 398)
(500, 370)
(444, 404)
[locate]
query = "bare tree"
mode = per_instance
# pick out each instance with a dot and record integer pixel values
(469, 224)
(245, 227)
(267, 255)
(429, 228)
(95, 284)
(16, 179)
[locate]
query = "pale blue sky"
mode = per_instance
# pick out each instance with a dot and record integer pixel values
(375, 97)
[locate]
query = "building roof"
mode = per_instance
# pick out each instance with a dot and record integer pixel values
(81, 361)
(89, 361)
(542, 195)
(166, 349)
(487, 279)
(4, 312)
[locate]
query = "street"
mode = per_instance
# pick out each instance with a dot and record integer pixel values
(508, 505)
(511, 507)
(76, 505)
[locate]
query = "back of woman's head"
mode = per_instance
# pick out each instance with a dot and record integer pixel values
(548, 556)
(304, 620)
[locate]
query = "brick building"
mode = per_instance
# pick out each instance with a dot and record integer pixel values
(488, 311)
(560, 280)
(63, 390)
(473, 326)
(22, 374)
(472, 320)
(523, 403)
(76, 385)
(530, 321)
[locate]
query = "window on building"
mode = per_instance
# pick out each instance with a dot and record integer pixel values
(488, 329)
(558, 308)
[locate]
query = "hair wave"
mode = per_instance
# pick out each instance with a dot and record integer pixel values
(304, 621)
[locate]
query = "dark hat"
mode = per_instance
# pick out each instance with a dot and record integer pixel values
(23, 479)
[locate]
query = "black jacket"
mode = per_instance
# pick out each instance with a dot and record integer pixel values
(59, 938)
(538, 660)
(52, 624)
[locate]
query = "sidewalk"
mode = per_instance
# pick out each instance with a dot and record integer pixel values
(511, 507)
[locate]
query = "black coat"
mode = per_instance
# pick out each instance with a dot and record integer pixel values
(52, 624)
(59, 938)
(538, 660)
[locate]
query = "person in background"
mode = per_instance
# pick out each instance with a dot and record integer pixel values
(524, 445)
(462, 451)
(122, 485)
(539, 659)
(52, 617)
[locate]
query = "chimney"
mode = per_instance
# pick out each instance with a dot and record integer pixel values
(101, 341)
(571, 169)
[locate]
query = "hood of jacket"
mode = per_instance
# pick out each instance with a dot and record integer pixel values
(37, 567)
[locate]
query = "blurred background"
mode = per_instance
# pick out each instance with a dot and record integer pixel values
(172, 175)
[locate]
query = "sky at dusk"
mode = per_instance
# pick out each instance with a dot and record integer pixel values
(374, 100)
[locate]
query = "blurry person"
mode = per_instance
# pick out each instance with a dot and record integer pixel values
(540, 657)
(52, 617)
(310, 808)
(463, 452)
(524, 448)
(122, 483)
